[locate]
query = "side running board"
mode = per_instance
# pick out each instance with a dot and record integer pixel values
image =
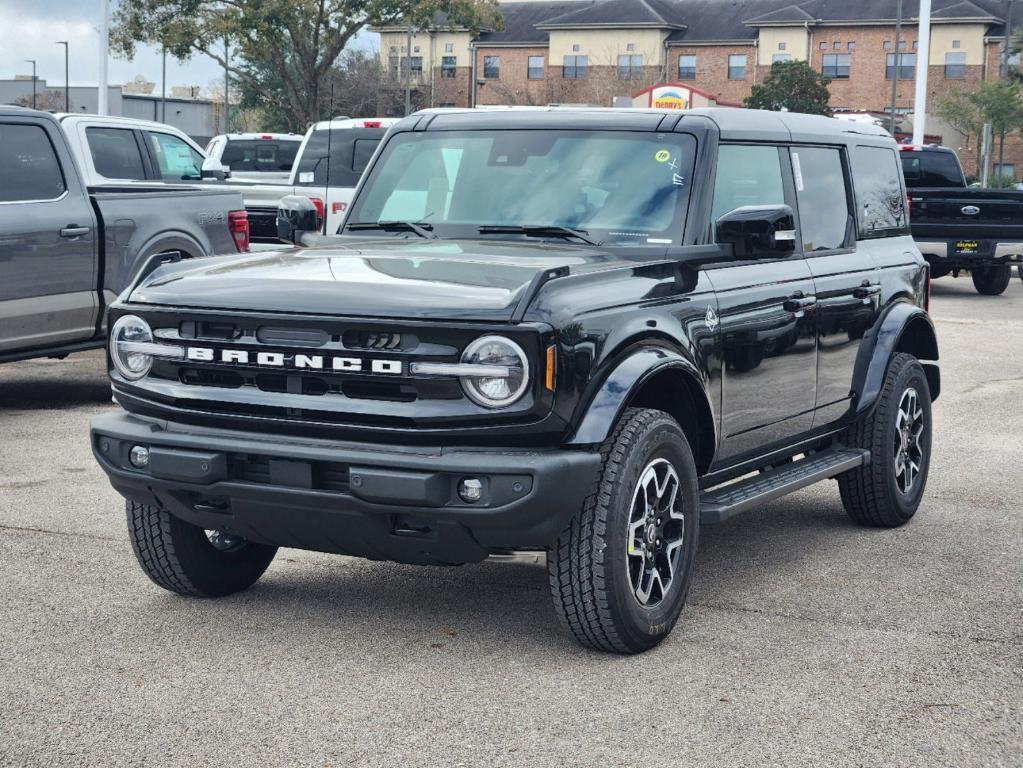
(719, 504)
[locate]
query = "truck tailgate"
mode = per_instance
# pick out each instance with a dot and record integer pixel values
(955, 212)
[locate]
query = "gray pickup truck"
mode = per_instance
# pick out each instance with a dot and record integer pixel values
(67, 250)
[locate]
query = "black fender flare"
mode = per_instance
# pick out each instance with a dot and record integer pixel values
(901, 321)
(619, 387)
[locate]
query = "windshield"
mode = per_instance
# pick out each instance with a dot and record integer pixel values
(619, 187)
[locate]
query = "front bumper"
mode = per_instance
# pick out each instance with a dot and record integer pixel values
(376, 501)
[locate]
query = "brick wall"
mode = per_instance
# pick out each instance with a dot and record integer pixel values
(452, 90)
(712, 69)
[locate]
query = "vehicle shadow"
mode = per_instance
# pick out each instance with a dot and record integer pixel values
(49, 392)
(500, 607)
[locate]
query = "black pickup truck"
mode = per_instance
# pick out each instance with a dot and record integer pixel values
(960, 228)
(583, 333)
(67, 251)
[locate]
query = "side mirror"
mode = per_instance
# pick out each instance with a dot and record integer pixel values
(296, 215)
(211, 169)
(758, 231)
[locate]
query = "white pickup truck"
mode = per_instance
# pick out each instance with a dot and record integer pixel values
(123, 151)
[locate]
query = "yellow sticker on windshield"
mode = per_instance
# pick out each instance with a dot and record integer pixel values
(662, 156)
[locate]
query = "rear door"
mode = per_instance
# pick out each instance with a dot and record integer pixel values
(48, 263)
(766, 317)
(845, 276)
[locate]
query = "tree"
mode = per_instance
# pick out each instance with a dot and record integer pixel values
(282, 51)
(962, 112)
(48, 101)
(793, 86)
(999, 103)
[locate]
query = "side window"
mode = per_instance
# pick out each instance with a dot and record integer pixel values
(822, 197)
(176, 159)
(747, 175)
(363, 151)
(115, 153)
(880, 200)
(28, 165)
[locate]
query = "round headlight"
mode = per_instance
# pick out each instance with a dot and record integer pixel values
(496, 391)
(127, 332)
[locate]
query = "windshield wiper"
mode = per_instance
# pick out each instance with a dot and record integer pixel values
(421, 228)
(537, 230)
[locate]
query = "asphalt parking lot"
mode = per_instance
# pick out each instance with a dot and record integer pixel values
(807, 641)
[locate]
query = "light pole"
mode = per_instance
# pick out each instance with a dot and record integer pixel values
(102, 103)
(33, 63)
(67, 91)
(898, 64)
(163, 87)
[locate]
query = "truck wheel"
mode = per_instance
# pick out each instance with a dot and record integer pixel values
(186, 559)
(886, 492)
(992, 281)
(619, 574)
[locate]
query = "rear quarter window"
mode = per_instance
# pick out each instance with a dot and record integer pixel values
(880, 197)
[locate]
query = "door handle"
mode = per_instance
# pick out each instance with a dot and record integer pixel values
(75, 231)
(799, 303)
(866, 291)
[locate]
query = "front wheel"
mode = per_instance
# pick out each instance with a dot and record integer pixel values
(189, 560)
(887, 492)
(992, 281)
(620, 572)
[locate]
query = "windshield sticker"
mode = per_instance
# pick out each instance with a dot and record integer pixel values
(306, 177)
(797, 172)
(662, 156)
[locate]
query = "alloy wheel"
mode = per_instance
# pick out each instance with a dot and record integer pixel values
(909, 449)
(656, 533)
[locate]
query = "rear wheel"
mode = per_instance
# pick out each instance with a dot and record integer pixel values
(887, 492)
(620, 573)
(992, 281)
(189, 560)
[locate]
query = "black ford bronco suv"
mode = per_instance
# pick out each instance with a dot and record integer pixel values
(578, 332)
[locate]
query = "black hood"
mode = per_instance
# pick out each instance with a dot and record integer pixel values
(449, 279)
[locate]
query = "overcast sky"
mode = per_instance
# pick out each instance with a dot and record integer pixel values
(29, 29)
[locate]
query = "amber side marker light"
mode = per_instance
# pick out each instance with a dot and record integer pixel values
(549, 375)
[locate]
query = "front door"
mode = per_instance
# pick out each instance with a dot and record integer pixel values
(845, 275)
(47, 242)
(766, 316)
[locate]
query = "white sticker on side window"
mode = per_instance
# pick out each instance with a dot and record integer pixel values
(797, 172)
(306, 177)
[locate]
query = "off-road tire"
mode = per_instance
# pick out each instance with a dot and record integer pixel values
(588, 568)
(870, 494)
(179, 557)
(993, 280)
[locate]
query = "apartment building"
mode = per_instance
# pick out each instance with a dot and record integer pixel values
(591, 51)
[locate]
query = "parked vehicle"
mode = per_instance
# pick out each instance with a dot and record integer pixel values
(579, 332)
(266, 157)
(67, 250)
(960, 228)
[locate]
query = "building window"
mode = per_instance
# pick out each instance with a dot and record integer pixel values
(686, 67)
(823, 46)
(1008, 170)
(492, 67)
(775, 58)
(575, 48)
(955, 66)
(447, 66)
(836, 46)
(915, 44)
(955, 43)
(447, 104)
(737, 66)
(836, 65)
(630, 47)
(630, 66)
(850, 46)
(907, 66)
(781, 46)
(574, 67)
(394, 50)
(534, 68)
(449, 47)
(887, 45)
(416, 65)
(416, 49)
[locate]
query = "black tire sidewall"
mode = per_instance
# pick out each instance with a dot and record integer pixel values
(911, 375)
(643, 627)
(993, 280)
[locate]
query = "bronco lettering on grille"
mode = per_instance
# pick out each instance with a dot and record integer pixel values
(295, 361)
